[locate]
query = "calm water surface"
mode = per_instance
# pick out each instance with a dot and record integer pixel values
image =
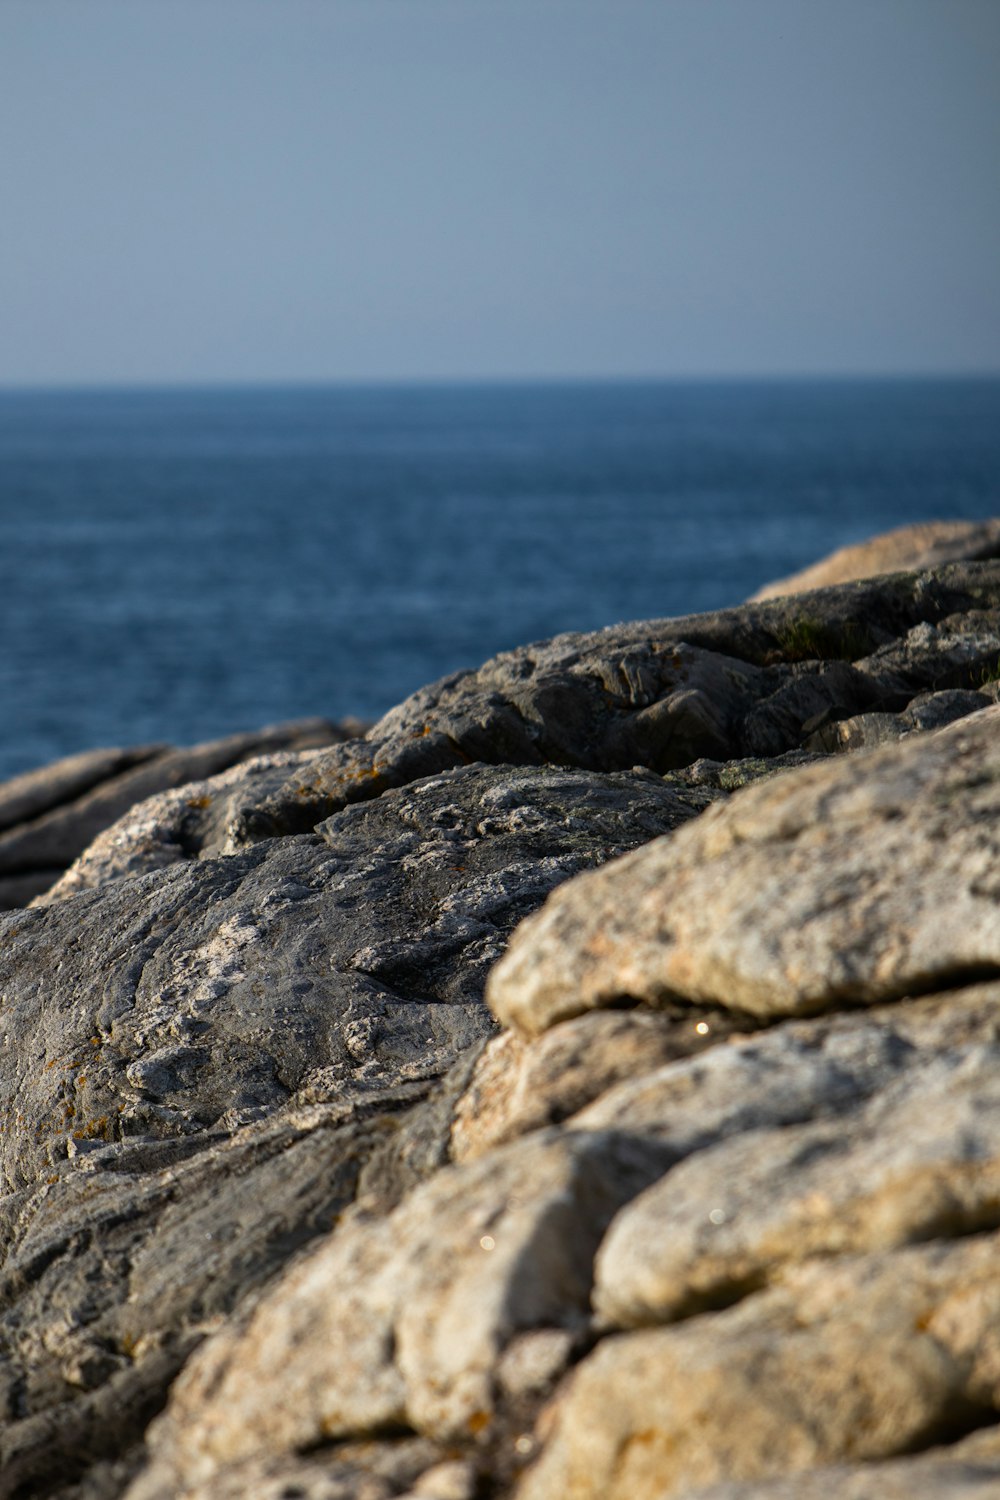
(180, 564)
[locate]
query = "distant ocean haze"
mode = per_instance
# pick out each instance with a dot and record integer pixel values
(180, 564)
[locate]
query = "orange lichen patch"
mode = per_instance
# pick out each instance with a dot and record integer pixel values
(478, 1422)
(199, 801)
(99, 1129)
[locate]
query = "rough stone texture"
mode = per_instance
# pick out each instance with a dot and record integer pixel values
(847, 883)
(862, 1359)
(926, 545)
(170, 828)
(186, 1094)
(217, 989)
(118, 1261)
(384, 1470)
(407, 1316)
(48, 817)
(966, 1470)
(271, 1166)
(426, 1301)
(515, 1086)
(926, 711)
(919, 1159)
(663, 693)
(748, 685)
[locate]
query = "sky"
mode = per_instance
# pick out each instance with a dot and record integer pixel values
(302, 190)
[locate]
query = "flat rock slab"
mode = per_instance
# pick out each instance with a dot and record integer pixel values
(218, 989)
(840, 884)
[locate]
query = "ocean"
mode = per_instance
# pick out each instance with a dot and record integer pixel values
(178, 564)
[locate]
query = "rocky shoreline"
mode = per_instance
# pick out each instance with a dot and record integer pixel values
(585, 1083)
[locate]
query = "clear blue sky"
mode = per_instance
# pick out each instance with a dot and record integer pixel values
(200, 190)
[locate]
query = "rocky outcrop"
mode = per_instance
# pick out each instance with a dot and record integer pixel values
(929, 544)
(48, 817)
(755, 683)
(845, 884)
(703, 1203)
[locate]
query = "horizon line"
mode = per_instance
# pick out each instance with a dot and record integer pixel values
(166, 384)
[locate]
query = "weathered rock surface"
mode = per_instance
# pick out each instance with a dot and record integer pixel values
(716, 1217)
(219, 989)
(206, 1027)
(49, 816)
(847, 883)
(863, 1359)
(737, 683)
(926, 545)
(966, 1470)
(751, 683)
(428, 1299)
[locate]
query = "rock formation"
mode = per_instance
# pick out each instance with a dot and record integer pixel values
(702, 1199)
(49, 816)
(925, 545)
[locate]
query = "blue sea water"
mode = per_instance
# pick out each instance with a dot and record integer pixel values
(179, 564)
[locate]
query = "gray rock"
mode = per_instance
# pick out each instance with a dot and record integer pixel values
(869, 731)
(741, 688)
(35, 792)
(170, 827)
(663, 693)
(48, 817)
(213, 989)
(203, 1064)
(118, 1261)
(848, 882)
